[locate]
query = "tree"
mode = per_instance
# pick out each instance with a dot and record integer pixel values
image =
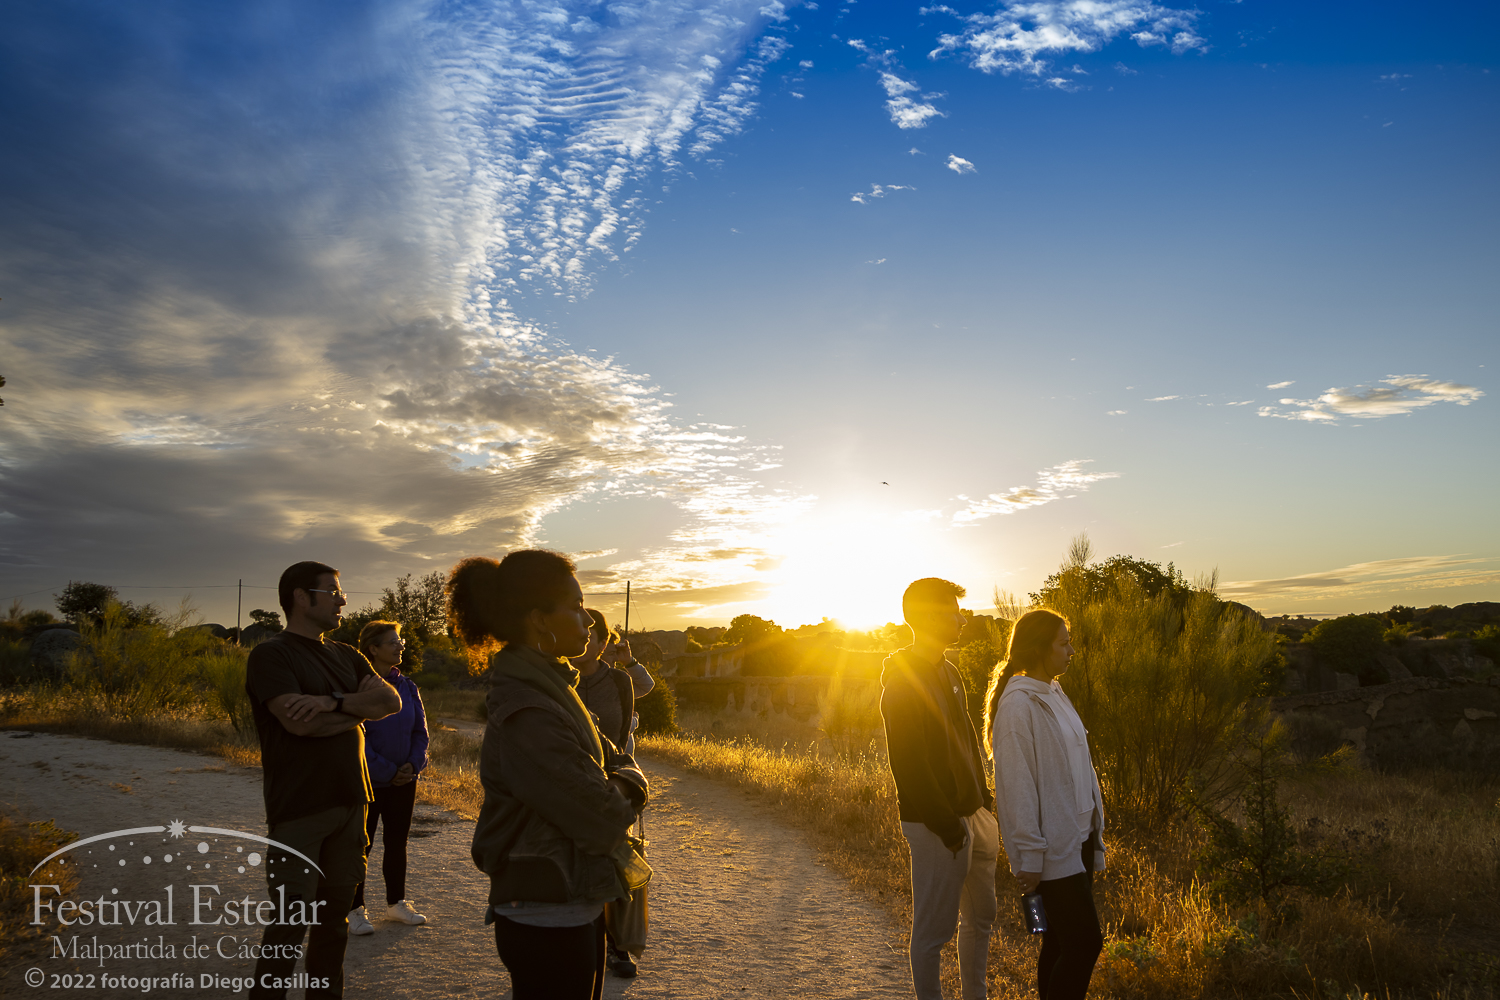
(266, 619)
(1161, 680)
(1351, 645)
(1093, 581)
(749, 630)
(82, 602)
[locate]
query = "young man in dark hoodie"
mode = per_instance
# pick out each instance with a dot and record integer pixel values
(945, 799)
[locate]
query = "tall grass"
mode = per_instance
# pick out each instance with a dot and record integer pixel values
(1165, 937)
(22, 845)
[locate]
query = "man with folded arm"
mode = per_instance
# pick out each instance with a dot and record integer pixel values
(309, 696)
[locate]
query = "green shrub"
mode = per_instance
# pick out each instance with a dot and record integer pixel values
(223, 670)
(1160, 681)
(658, 710)
(1486, 642)
(15, 662)
(1351, 645)
(137, 670)
(1261, 860)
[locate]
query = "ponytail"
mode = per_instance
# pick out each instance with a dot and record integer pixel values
(489, 601)
(1030, 638)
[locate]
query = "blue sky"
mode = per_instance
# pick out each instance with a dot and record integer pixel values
(784, 305)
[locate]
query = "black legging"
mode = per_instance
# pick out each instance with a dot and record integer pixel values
(1072, 943)
(552, 963)
(395, 804)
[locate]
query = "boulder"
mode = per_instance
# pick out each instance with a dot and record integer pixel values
(254, 633)
(50, 650)
(212, 628)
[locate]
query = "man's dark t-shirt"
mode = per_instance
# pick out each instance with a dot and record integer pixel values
(306, 774)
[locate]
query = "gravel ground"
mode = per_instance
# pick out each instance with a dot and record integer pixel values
(740, 904)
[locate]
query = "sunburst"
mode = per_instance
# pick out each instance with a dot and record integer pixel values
(177, 828)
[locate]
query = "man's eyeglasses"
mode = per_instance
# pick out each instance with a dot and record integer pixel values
(337, 595)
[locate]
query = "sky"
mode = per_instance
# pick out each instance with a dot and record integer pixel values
(765, 308)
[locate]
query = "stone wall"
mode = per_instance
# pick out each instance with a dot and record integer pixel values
(1417, 721)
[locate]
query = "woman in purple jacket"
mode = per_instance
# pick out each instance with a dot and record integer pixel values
(396, 752)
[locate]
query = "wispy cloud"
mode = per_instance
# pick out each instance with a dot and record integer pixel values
(959, 165)
(1397, 396)
(342, 306)
(1017, 37)
(1161, 399)
(906, 112)
(1057, 483)
(1409, 573)
(878, 191)
(1280, 385)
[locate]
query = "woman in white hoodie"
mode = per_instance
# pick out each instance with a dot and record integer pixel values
(1047, 798)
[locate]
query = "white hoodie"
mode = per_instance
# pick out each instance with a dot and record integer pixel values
(1046, 792)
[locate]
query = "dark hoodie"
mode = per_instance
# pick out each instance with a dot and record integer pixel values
(933, 749)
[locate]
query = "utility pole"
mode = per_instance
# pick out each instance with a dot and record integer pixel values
(239, 602)
(627, 610)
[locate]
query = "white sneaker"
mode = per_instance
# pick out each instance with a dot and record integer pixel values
(403, 912)
(359, 923)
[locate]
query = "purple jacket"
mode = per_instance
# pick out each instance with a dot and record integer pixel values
(397, 739)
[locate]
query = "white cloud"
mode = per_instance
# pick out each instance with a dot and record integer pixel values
(1161, 399)
(342, 306)
(1057, 483)
(878, 191)
(1383, 575)
(1280, 385)
(1117, 413)
(959, 165)
(1397, 396)
(904, 111)
(1016, 38)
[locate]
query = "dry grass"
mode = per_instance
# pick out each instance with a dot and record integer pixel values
(1432, 836)
(1418, 921)
(22, 845)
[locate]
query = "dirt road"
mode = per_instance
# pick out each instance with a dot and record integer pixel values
(740, 904)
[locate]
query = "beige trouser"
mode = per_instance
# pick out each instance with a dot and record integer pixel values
(952, 893)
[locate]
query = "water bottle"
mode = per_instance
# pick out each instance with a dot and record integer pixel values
(1036, 913)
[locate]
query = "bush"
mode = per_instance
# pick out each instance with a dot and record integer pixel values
(223, 670)
(1351, 645)
(137, 671)
(1160, 681)
(1486, 642)
(15, 662)
(1260, 860)
(658, 710)
(847, 716)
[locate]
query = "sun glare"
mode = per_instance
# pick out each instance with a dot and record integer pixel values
(852, 565)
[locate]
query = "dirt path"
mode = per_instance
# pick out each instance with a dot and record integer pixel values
(740, 904)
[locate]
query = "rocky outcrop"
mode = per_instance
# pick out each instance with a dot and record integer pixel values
(1417, 721)
(256, 632)
(212, 628)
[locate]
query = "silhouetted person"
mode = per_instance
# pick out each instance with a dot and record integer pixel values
(558, 800)
(609, 682)
(944, 797)
(309, 697)
(1050, 807)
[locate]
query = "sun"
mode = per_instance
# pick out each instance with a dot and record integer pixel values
(853, 564)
